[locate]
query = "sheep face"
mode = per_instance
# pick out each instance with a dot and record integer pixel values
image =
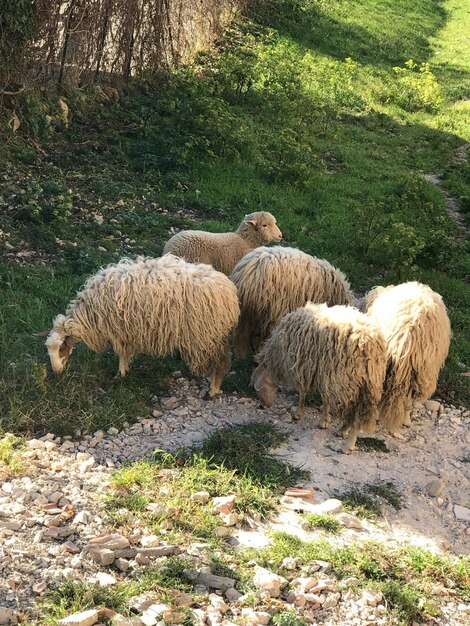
(264, 386)
(59, 349)
(265, 225)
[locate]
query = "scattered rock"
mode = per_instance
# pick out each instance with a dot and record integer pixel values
(150, 541)
(462, 513)
(435, 487)
(268, 581)
(232, 595)
(201, 496)
(371, 597)
(85, 618)
(209, 580)
(350, 521)
(223, 505)
(112, 541)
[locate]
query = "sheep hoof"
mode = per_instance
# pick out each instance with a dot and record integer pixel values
(209, 396)
(346, 449)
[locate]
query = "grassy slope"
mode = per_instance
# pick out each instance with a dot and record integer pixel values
(300, 112)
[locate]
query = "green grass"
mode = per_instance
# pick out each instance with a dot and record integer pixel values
(231, 461)
(366, 500)
(11, 462)
(308, 109)
(165, 581)
(372, 444)
(328, 523)
(409, 577)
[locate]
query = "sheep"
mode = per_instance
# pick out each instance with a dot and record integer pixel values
(414, 321)
(154, 306)
(337, 352)
(224, 250)
(274, 281)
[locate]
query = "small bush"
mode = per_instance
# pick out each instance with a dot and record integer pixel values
(416, 89)
(44, 202)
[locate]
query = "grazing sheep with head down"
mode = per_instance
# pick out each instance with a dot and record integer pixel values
(274, 281)
(224, 250)
(337, 352)
(153, 306)
(414, 321)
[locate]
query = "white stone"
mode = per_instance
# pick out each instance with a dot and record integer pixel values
(150, 541)
(462, 513)
(105, 580)
(85, 618)
(268, 581)
(223, 505)
(218, 603)
(231, 519)
(350, 521)
(153, 614)
(371, 597)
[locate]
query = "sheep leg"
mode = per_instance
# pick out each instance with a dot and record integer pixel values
(215, 382)
(300, 411)
(351, 442)
(345, 431)
(407, 414)
(123, 365)
(326, 417)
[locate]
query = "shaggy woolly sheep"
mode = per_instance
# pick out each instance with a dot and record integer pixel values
(274, 281)
(224, 250)
(154, 306)
(414, 321)
(337, 352)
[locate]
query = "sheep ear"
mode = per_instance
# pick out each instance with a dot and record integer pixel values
(252, 223)
(43, 333)
(71, 342)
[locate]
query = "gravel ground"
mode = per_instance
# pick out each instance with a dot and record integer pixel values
(49, 516)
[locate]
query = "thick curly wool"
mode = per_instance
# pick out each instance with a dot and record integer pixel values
(224, 250)
(414, 321)
(274, 281)
(153, 306)
(337, 352)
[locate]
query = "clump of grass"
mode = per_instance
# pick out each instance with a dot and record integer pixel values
(164, 581)
(465, 459)
(366, 500)
(372, 444)
(328, 523)
(246, 449)
(409, 577)
(287, 618)
(11, 462)
(231, 461)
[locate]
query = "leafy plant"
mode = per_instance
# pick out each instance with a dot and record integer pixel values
(417, 89)
(44, 202)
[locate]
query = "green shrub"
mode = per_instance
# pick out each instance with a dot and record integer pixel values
(44, 202)
(416, 89)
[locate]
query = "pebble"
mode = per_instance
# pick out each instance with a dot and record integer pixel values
(462, 513)
(268, 581)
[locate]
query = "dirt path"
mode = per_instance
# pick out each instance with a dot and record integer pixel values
(452, 203)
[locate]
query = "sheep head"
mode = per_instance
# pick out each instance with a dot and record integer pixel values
(59, 346)
(264, 224)
(264, 386)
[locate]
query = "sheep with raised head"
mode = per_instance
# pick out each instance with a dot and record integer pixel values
(224, 250)
(153, 306)
(416, 327)
(337, 352)
(274, 281)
